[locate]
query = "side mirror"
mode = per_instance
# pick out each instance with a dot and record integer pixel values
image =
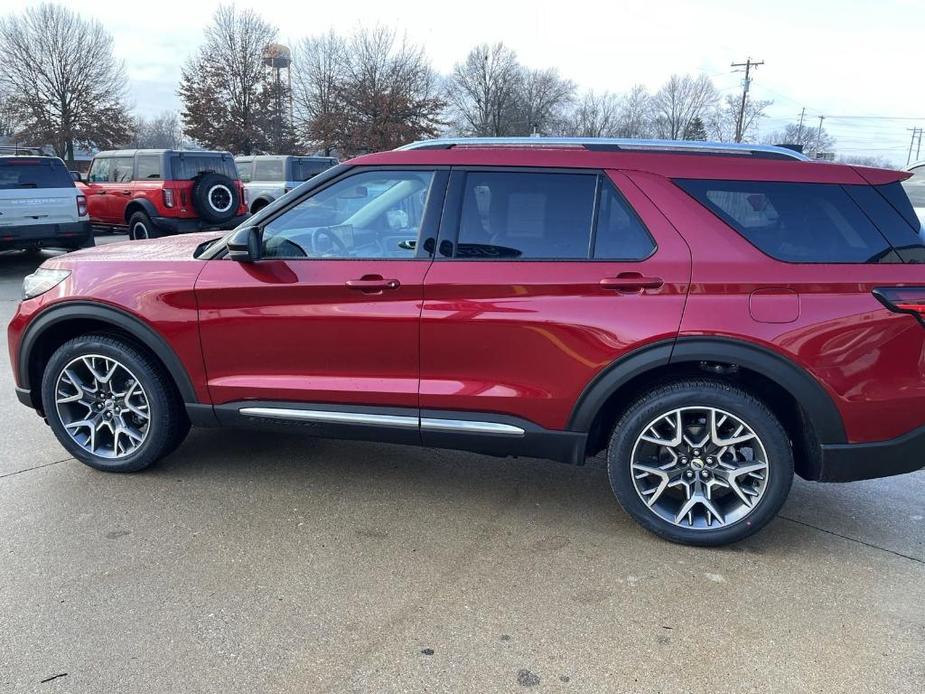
(76, 175)
(244, 245)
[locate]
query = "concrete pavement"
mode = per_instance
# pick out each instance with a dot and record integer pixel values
(253, 562)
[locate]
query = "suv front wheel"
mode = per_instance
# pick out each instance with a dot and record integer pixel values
(700, 462)
(111, 405)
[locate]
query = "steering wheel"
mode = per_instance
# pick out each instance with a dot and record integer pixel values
(339, 246)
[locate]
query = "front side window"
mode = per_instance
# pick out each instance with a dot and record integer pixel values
(122, 169)
(526, 215)
(99, 170)
(270, 170)
(795, 222)
(374, 214)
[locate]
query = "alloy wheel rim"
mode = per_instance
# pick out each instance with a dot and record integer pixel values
(140, 231)
(102, 405)
(699, 468)
(220, 198)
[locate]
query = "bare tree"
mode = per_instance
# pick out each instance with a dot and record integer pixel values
(877, 162)
(811, 139)
(541, 101)
(161, 132)
(62, 83)
(636, 113)
(319, 77)
(482, 91)
(679, 101)
(225, 89)
(721, 121)
(369, 93)
(596, 115)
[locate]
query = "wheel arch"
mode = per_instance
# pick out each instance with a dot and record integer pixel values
(804, 407)
(140, 205)
(57, 324)
(260, 202)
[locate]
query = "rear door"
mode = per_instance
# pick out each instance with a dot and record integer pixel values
(542, 279)
(35, 191)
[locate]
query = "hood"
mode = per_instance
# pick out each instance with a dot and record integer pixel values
(167, 248)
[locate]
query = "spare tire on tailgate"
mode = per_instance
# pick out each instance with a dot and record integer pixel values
(216, 198)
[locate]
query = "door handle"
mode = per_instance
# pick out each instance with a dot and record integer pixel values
(102, 192)
(126, 192)
(372, 283)
(631, 282)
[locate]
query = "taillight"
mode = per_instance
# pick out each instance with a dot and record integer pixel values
(168, 197)
(909, 300)
(81, 206)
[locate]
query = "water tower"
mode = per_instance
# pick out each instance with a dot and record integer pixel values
(278, 57)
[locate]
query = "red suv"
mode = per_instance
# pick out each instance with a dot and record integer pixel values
(715, 317)
(155, 192)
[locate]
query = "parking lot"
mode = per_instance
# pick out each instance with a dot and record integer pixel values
(265, 562)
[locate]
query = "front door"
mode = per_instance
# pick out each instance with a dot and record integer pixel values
(109, 189)
(329, 317)
(542, 280)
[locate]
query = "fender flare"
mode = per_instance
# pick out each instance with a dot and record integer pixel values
(76, 310)
(145, 204)
(801, 385)
(266, 199)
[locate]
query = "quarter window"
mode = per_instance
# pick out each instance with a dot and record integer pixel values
(525, 216)
(619, 234)
(795, 222)
(374, 214)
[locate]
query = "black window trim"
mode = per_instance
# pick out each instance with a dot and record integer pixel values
(429, 223)
(729, 223)
(452, 212)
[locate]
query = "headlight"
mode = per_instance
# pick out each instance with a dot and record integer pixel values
(41, 281)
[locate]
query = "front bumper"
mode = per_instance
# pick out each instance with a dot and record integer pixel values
(864, 461)
(172, 225)
(66, 234)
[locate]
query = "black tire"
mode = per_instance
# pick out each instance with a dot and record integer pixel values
(168, 424)
(697, 393)
(216, 198)
(140, 227)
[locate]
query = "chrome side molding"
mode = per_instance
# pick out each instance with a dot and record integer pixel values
(462, 426)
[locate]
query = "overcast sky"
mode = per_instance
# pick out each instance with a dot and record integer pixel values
(838, 58)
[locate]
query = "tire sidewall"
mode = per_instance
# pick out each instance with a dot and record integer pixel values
(751, 411)
(139, 220)
(158, 401)
(203, 204)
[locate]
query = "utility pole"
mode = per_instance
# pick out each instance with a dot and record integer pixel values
(912, 143)
(918, 149)
(819, 136)
(748, 65)
(800, 128)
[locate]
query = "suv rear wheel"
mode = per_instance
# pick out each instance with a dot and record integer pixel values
(141, 227)
(111, 405)
(700, 462)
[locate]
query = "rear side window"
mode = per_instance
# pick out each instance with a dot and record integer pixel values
(304, 169)
(122, 169)
(526, 216)
(186, 166)
(270, 170)
(795, 222)
(18, 173)
(148, 167)
(619, 233)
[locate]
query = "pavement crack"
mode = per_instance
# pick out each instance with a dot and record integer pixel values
(853, 539)
(34, 467)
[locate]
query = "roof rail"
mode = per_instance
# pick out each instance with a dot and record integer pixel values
(613, 144)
